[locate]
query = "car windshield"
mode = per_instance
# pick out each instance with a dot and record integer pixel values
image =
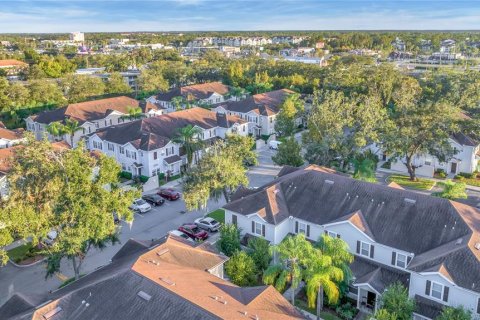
(140, 202)
(213, 221)
(195, 229)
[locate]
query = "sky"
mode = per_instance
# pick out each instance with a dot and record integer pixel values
(62, 16)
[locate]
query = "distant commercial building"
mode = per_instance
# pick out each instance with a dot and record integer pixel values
(77, 36)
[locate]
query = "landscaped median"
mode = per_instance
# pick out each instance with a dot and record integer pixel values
(419, 184)
(24, 255)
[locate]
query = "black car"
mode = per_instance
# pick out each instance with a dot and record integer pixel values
(154, 199)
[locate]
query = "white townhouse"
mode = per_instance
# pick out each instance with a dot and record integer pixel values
(430, 245)
(90, 116)
(10, 138)
(145, 147)
(205, 93)
(259, 110)
(465, 159)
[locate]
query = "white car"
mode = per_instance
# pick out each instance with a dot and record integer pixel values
(208, 223)
(181, 234)
(274, 144)
(141, 206)
(51, 236)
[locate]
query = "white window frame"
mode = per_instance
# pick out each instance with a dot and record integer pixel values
(122, 150)
(397, 260)
(258, 227)
(368, 251)
(441, 290)
(302, 228)
(332, 234)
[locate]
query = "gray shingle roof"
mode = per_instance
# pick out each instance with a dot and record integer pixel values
(265, 104)
(376, 275)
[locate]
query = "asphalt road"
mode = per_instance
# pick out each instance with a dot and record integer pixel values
(151, 225)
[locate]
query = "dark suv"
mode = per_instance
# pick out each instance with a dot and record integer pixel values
(153, 199)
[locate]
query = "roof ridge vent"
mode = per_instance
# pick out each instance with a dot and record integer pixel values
(167, 281)
(408, 200)
(51, 313)
(329, 181)
(162, 252)
(145, 296)
(477, 245)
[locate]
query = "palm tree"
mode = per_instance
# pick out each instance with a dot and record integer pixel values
(328, 269)
(70, 127)
(133, 113)
(188, 138)
(293, 254)
(56, 129)
(177, 102)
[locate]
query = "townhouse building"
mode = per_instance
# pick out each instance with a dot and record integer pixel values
(145, 147)
(259, 110)
(169, 278)
(90, 116)
(196, 95)
(8, 137)
(465, 159)
(430, 245)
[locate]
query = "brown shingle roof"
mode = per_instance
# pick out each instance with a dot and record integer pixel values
(11, 63)
(11, 134)
(265, 104)
(88, 111)
(195, 92)
(156, 132)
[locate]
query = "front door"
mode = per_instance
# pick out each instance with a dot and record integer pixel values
(453, 168)
(371, 297)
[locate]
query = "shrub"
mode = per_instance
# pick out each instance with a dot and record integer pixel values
(439, 170)
(241, 269)
(143, 179)
(126, 175)
(161, 176)
(442, 175)
(459, 177)
(346, 311)
(467, 175)
(260, 252)
(229, 241)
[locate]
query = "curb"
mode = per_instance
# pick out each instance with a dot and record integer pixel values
(26, 265)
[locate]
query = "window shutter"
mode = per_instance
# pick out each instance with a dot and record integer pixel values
(358, 247)
(372, 251)
(234, 219)
(338, 236)
(308, 230)
(296, 226)
(445, 293)
(326, 232)
(253, 226)
(427, 288)
(394, 257)
(263, 230)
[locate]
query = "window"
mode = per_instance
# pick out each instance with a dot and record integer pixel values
(243, 128)
(122, 150)
(127, 153)
(134, 155)
(234, 219)
(97, 145)
(97, 125)
(110, 121)
(258, 228)
(105, 123)
(365, 249)
(110, 146)
(155, 155)
(332, 234)
(401, 260)
(437, 290)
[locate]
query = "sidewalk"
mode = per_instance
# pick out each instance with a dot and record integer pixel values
(468, 187)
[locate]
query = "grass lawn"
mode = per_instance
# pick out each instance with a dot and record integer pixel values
(404, 181)
(22, 252)
(218, 215)
(469, 181)
(324, 315)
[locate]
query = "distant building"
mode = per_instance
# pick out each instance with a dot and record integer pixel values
(425, 45)
(77, 36)
(12, 66)
(320, 45)
(448, 46)
(399, 44)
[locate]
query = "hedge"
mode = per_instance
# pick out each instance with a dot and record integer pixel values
(126, 175)
(143, 178)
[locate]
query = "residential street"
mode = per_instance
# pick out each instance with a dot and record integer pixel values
(151, 225)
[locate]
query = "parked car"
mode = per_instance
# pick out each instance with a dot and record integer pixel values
(274, 144)
(181, 234)
(50, 238)
(208, 223)
(153, 199)
(140, 205)
(193, 231)
(169, 194)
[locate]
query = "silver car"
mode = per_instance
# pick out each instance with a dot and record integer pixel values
(208, 223)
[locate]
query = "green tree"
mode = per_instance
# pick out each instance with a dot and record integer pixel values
(219, 172)
(178, 102)
(133, 113)
(382, 314)
(260, 252)
(452, 190)
(229, 240)
(242, 147)
(293, 254)
(5, 100)
(45, 92)
(79, 88)
(395, 301)
(241, 269)
(420, 128)
(116, 84)
(71, 127)
(291, 109)
(151, 79)
(51, 190)
(365, 165)
(288, 153)
(56, 129)
(458, 313)
(189, 139)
